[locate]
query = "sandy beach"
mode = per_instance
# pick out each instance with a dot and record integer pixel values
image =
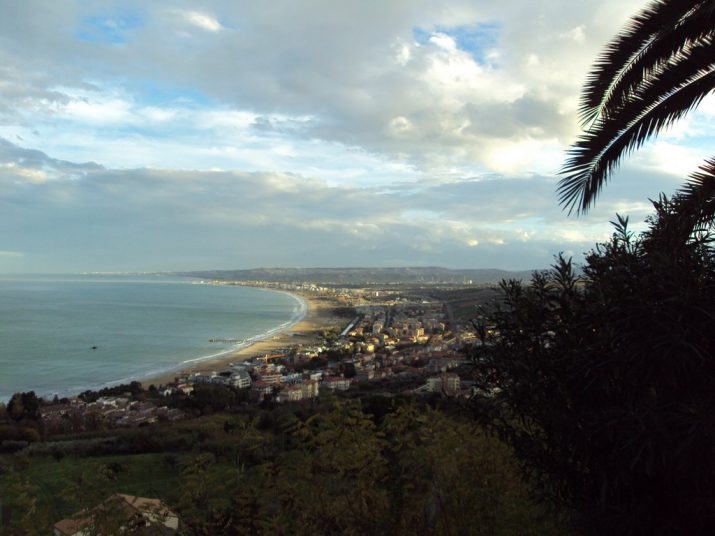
(320, 315)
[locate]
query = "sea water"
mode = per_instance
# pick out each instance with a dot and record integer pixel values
(65, 334)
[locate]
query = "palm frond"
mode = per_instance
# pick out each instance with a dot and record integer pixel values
(689, 64)
(594, 156)
(697, 197)
(667, 47)
(625, 48)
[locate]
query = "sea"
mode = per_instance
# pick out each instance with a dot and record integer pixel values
(61, 335)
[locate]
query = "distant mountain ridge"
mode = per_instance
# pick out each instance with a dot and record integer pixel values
(429, 275)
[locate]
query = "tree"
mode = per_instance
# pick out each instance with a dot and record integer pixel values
(209, 397)
(15, 408)
(651, 74)
(24, 406)
(201, 494)
(329, 483)
(603, 383)
(26, 517)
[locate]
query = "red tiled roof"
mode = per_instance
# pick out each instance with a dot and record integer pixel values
(71, 526)
(130, 505)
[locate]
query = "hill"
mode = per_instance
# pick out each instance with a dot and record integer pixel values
(431, 275)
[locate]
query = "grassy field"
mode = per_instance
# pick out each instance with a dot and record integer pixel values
(148, 474)
(141, 474)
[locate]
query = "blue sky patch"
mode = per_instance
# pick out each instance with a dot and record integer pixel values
(476, 39)
(110, 29)
(153, 93)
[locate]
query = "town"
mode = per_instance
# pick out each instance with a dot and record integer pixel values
(391, 341)
(409, 344)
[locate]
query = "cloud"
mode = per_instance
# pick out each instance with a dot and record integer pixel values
(487, 81)
(201, 20)
(237, 134)
(87, 217)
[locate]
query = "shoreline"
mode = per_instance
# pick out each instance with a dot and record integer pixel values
(250, 341)
(316, 315)
(311, 315)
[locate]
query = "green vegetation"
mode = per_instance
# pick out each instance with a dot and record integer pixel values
(141, 474)
(381, 466)
(598, 387)
(603, 384)
(23, 406)
(606, 390)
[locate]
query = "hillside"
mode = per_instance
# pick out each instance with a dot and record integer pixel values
(430, 275)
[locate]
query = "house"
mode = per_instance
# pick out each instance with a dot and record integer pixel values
(315, 375)
(448, 384)
(442, 364)
(185, 388)
(365, 375)
(272, 378)
(310, 388)
(241, 379)
(292, 377)
(132, 513)
(200, 377)
(337, 383)
(113, 401)
(291, 393)
(56, 411)
(261, 389)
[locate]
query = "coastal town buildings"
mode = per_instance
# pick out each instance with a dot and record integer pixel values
(409, 341)
(337, 383)
(77, 415)
(404, 343)
(448, 384)
(241, 379)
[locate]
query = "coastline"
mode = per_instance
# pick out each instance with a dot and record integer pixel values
(318, 314)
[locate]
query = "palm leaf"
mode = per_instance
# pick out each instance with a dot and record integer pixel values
(665, 48)
(697, 197)
(621, 52)
(656, 70)
(594, 156)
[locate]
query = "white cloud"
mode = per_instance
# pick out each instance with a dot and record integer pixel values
(669, 157)
(375, 131)
(354, 71)
(576, 34)
(202, 20)
(162, 217)
(155, 114)
(106, 111)
(444, 41)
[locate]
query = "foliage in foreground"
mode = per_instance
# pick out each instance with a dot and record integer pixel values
(339, 472)
(604, 385)
(657, 69)
(377, 466)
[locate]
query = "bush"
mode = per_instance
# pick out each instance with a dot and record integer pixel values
(19, 433)
(12, 445)
(604, 385)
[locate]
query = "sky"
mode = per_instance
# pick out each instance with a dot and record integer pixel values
(168, 135)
